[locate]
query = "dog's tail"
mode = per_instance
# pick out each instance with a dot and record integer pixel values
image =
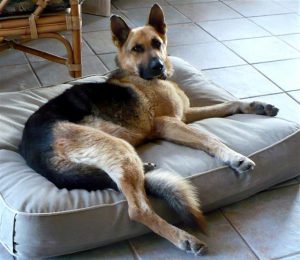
(179, 194)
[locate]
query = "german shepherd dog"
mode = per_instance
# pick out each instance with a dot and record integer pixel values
(85, 137)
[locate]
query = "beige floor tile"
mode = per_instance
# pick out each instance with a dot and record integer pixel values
(233, 29)
(256, 7)
(292, 257)
(100, 42)
(207, 55)
(128, 4)
(279, 24)
(12, 57)
(284, 73)
(291, 5)
(293, 40)
(288, 108)
(183, 2)
(4, 254)
(269, 222)
(92, 23)
(109, 60)
(223, 243)
(262, 49)
(54, 47)
(180, 34)
(17, 77)
(59, 73)
(207, 11)
(139, 16)
(118, 251)
(242, 81)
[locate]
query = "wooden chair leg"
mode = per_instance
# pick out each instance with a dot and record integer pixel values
(77, 44)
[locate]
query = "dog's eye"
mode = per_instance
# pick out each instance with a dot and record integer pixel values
(156, 43)
(138, 48)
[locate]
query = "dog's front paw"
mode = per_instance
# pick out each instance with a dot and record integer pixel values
(241, 164)
(261, 108)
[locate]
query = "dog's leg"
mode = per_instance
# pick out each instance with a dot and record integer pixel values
(85, 145)
(230, 108)
(172, 129)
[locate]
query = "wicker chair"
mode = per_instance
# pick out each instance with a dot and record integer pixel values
(31, 20)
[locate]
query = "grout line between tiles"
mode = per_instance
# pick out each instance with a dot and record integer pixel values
(263, 95)
(288, 12)
(264, 15)
(134, 253)
(239, 234)
(287, 92)
(212, 20)
(84, 41)
(33, 72)
(246, 38)
(223, 67)
(287, 34)
(277, 36)
(103, 53)
(225, 46)
(289, 255)
(94, 52)
(130, 8)
(123, 11)
(176, 23)
(248, 63)
(248, 18)
(173, 4)
(262, 62)
(104, 65)
(252, 64)
(223, 2)
(293, 90)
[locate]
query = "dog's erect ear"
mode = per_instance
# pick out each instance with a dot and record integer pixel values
(120, 30)
(157, 19)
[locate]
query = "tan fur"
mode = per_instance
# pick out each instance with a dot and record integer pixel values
(142, 35)
(163, 109)
(91, 147)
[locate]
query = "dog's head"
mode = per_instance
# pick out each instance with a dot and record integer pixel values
(143, 50)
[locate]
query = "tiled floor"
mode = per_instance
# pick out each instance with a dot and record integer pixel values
(249, 47)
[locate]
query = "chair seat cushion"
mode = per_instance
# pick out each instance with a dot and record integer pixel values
(40, 220)
(19, 7)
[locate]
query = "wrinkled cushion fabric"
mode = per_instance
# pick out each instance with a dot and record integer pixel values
(39, 220)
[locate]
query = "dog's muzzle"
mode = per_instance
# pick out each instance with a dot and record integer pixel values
(155, 69)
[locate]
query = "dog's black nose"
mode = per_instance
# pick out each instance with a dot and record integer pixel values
(156, 66)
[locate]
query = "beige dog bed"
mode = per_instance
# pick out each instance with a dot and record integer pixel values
(39, 220)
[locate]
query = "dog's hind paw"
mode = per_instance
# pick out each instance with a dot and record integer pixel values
(149, 167)
(193, 245)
